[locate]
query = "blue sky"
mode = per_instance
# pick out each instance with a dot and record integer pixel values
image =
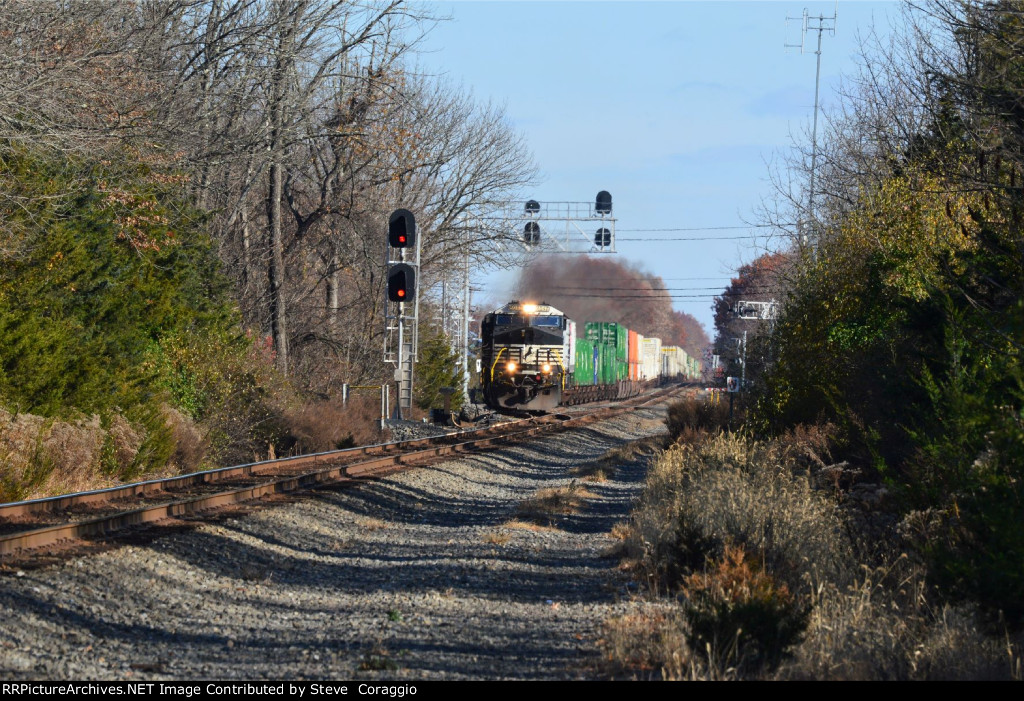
(675, 108)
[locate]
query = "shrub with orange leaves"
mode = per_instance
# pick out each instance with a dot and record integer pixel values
(740, 616)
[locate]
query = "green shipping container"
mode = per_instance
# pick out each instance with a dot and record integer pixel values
(612, 367)
(583, 375)
(612, 334)
(606, 373)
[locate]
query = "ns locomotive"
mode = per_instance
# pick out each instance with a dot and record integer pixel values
(524, 356)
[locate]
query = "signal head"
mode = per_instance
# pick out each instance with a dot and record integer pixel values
(401, 282)
(531, 233)
(402, 229)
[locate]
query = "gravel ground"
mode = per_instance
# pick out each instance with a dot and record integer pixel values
(419, 576)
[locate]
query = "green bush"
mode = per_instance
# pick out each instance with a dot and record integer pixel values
(438, 367)
(116, 264)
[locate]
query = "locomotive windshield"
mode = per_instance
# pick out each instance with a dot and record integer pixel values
(520, 320)
(547, 321)
(530, 329)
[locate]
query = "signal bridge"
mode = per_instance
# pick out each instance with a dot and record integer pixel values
(565, 227)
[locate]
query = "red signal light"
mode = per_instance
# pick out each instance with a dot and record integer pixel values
(401, 229)
(401, 282)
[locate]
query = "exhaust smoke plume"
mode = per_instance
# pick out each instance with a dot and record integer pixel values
(602, 289)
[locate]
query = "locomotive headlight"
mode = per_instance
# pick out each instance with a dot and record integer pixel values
(529, 308)
(511, 367)
(546, 367)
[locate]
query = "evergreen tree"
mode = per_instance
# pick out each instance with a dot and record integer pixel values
(100, 280)
(438, 367)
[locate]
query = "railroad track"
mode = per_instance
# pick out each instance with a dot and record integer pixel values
(36, 525)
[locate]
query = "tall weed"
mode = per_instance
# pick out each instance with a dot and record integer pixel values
(749, 539)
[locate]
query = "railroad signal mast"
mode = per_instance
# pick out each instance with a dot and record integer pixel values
(755, 310)
(751, 311)
(402, 304)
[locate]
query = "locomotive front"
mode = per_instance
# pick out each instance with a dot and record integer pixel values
(524, 356)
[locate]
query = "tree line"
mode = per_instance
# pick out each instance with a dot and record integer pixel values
(194, 196)
(902, 321)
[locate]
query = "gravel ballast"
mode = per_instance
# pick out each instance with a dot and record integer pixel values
(423, 575)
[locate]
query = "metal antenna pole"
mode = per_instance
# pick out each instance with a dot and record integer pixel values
(814, 129)
(821, 24)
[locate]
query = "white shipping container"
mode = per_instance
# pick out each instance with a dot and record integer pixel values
(569, 348)
(650, 359)
(671, 361)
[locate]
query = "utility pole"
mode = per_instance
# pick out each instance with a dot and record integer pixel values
(820, 24)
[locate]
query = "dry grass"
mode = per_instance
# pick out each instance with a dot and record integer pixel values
(371, 524)
(496, 538)
(725, 490)
(691, 419)
(549, 505)
(740, 617)
(42, 457)
(865, 622)
(620, 531)
(190, 445)
(378, 658)
(521, 525)
(648, 644)
(875, 631)
(330, 425)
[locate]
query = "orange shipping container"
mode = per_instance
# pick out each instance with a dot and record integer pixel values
(634, 356)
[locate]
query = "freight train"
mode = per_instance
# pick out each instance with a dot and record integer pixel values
(533, 358)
